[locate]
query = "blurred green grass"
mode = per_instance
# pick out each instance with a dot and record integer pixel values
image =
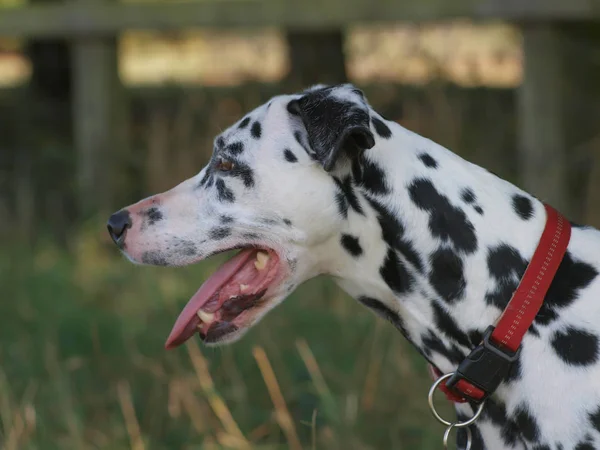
(82, 364)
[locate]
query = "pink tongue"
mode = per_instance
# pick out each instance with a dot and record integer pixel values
(181, 332)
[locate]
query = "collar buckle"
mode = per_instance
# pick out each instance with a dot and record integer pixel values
(485, 368)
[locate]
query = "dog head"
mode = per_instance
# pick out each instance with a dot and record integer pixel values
(268, 191)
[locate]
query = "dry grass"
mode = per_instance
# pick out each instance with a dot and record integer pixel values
(82, 365)
(282, 414)
(233, 433)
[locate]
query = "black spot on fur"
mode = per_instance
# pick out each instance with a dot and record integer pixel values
(448, 326)
(595, 419)
(496, 413)
(381, 128)
(243, 171)
(383, 311)
(571, 277)
(510, 432)
(244, 123)
(184, 246)
(433, 344)
(216, 234)
(189, 250)
(428, 160)
(235, 148)
(220, 142)
(475, 337)
(506, 266)
(527, 424)
(154, 215)
(468, 195)
(153, 258)
(288, 222)
(342, 204)
(395, 274)
(533, 330)
(445, 220)
(205, 178)
(446, 275)
(477, 442)
(251, 236)
(505, 261)
(479, 210)
(226, 219)
(575, 346)
(347, 195)
(522, 206)
(289, 156)
(210, 182)
(224, 193)
(392, 232)
(256, 130)
(585, 446)
(369, 175)
(352, 245)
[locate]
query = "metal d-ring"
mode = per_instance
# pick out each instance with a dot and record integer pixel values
(447, 435)
(439, 418)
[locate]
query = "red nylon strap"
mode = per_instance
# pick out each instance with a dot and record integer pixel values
(527, 299)
(529, 296)
(462, 385)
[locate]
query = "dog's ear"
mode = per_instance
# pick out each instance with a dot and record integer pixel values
(337, 122)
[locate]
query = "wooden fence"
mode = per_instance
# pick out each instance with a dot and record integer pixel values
(92, 26)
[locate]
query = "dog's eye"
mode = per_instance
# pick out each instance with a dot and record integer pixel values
(224, 165)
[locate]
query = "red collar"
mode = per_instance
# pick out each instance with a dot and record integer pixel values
(478, 376)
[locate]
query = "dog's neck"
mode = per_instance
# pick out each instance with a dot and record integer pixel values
(439, 243)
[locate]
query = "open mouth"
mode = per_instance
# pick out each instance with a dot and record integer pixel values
(227, 299)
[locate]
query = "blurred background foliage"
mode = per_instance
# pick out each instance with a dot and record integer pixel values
(82, 364)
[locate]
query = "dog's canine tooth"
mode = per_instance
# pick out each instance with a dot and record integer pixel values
(205, 317)
(244, 287)
(261, 260)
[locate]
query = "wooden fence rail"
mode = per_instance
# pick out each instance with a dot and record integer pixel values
(76, 18)
(93, 26)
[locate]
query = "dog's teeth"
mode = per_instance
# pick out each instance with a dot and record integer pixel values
(261, 260)
(244, 287)
(205, 317)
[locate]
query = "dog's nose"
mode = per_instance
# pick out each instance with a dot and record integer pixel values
(117, 226)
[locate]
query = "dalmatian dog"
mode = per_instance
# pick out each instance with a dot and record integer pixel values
(320, 183)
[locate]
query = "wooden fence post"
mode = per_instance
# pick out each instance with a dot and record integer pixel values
(98, 118)
(316, 57)
(559, 116)
(542, 164)
(581, 47)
